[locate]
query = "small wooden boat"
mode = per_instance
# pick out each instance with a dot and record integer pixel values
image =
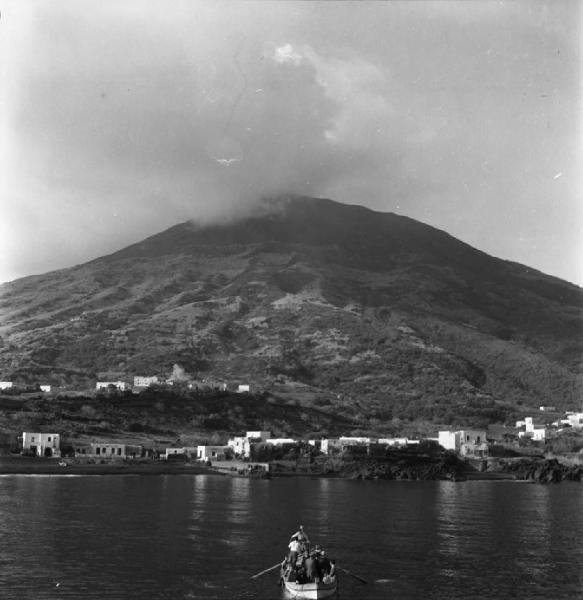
(311, 591)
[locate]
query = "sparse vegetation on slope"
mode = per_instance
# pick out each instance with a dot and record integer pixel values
(374, 316)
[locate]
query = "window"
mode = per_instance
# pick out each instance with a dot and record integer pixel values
(119, 451)
(49, 438)
(32, 439)
(98, 451)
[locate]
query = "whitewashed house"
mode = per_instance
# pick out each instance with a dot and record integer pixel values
(211, 453)
(187, 451)
(403, 441)
(280, 441)
(45, 388)
(466, 442)
(331, 445)
(243, 389)
(111, 451)
(241, 445)
(575, 420)
(145, 381)
(258, 436)
(5, 385)
(537, 434)
(122, 386)
(47, 445)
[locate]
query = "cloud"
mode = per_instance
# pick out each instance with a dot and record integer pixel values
(286, 54)
(126, 118)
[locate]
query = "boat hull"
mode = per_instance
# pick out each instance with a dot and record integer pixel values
(311, 591)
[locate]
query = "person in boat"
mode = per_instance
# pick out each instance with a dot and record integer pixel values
(294, 550)
(301, 574)
(312, 570)
(292, 574)
(332, 572)
(289, 570)
(302, 537)
(323, 562)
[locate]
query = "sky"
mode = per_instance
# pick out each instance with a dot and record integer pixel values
(121, 119)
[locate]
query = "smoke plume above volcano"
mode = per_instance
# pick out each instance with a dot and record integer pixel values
(125, 118)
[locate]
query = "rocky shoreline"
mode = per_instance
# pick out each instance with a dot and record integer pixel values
(445, 467)
(545, 470)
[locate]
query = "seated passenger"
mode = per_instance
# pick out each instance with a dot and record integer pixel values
(323, 562)
(332, 572)
(312, 570)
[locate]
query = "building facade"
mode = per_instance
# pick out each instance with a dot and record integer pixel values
(470, 443)
(47, 445)
(241, 445)
(111, 451)
(144, 382)
(122, 386)
(212, 452)
(187, 451)
(575, 420)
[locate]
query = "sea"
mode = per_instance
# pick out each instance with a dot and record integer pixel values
(180, 537)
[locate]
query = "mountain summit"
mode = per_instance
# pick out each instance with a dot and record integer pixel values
(372, 313)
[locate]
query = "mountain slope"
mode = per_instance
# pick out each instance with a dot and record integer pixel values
(365, 312)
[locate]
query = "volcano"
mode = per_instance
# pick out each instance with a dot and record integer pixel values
(323, 303)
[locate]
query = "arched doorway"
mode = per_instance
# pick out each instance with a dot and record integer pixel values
(48, 452)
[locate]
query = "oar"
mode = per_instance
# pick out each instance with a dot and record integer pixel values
(353, 575)
(266, 570)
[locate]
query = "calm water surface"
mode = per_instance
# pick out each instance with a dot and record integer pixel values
(202, 537)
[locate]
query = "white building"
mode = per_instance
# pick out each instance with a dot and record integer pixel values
(394, 441)
(45, 388)
(329, 445)
(241, 445)
(109, 450)
(466, 442)
(186, 451)
(147, 381)
(212, 452)
(47, 445)
(243, 388)
(530, 431)
(340, 444)
(122, 386)
(258, 436)
(575, 420)
(5, 385)
(280, 441)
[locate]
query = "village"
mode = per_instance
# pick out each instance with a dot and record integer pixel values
(257, 449)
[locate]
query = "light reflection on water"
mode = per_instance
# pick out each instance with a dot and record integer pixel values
(178, 537)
